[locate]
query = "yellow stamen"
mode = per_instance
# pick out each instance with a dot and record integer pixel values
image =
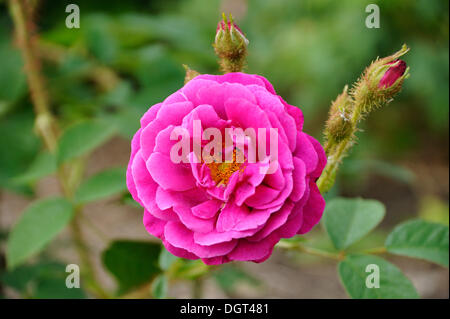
(221, 172)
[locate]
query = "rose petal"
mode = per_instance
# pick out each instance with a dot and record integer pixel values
(181, 237)
(168, 175)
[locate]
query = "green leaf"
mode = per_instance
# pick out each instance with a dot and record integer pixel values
(392, 282)
(55, 288)
(44, 164)
(126, 121)
(44, 279)
(132, 263)
(20, 145)
(82, 138)
(347, 220)
(228, 276)
(166, 259)
(420, 239)
(160, 287)
(38, 225)
(20, 277)
(12, 77)
(102, 185)
(127, 199)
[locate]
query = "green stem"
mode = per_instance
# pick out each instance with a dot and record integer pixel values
(376, 250)
(326, 254)
(310, 250)
(197, 288)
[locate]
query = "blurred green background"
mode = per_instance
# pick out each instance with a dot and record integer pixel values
(128, 55)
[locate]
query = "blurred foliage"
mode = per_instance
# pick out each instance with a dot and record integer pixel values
(434, 209)
(44, 279)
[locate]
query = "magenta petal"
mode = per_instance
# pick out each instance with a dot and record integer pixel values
(166, 215)
(313, 210)
(294, 223)
(179, 252)
(182, 203)
(276, 180)
(254, 174)
(130, 181)
(275, 221)
(306, 152)
(244, 191)
(321, 155)
(252, 117)
(153, 225)
(263, 195)
(283, 195)
(240, 218)
(215, 260)
(163, 143)
(167, 114)
(206, 115)
(215, 237)
(150, 115)
(273, 104)
(169, 199)
(207, 209)
(247, 250)
(168, 175)
(296, 114)
(145, 185)
(181, 237)
(217, 95)
(298, 176)
(198, 225)
(238, 77)
(176, 97)
(192, 88)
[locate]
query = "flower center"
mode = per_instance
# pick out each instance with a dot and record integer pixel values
(222, 171)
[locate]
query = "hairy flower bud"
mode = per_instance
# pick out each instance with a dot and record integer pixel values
(339, 124)
(381, 81)
(230, 45)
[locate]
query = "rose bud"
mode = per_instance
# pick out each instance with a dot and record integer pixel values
(230, 45)
(381, 82)
(392, 74)
(230, 28)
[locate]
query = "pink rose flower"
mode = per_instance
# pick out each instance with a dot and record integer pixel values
(229, 212)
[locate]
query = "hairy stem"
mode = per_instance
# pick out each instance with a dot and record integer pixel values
(27, 43)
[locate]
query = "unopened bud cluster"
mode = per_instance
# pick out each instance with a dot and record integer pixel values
(378, 85)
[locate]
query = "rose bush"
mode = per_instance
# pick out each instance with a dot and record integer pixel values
(234, 212)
